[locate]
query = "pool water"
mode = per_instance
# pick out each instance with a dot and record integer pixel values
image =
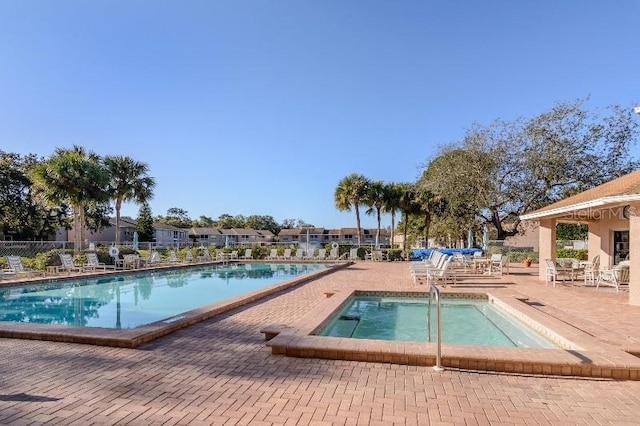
(464, 321)
(132, 300)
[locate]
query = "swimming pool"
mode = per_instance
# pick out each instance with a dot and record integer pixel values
(134, 300)
(464, 321)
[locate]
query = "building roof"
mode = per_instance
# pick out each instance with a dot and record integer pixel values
(159, 225)
(204, 231)
(615, 192)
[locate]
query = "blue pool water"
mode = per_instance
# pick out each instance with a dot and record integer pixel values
(464, 321)
(128, 301)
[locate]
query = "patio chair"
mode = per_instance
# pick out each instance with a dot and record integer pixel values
(131, 261)
(94, 263)
(554, 272)
(68, 264)
(299, 254)
(172, 257)
(234, 254)
(591, 271)
(322, 254)
(188, 256)
(287, 254)
(154, 259)
(204, 256)
(334, 254)
(615, 277)
(16, 267)
(377, 255)
(248, 254)
(422, 269)
(273, 254)
(353, 254)
(499, 263)
(444, 273)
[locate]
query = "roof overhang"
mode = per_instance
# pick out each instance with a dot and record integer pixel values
(592, 205)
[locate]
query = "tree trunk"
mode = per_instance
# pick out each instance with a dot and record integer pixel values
(427, 225)
(77, 228)
(502, 233)
(378, 232)
(118, 207)
(404, 240)
(357, 208)
(393, 227)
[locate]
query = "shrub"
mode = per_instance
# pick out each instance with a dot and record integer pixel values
(395, 254)
(565, 253)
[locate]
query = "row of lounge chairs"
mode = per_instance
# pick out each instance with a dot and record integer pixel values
(16, 268)
(437, 267)
(301, 254)
(442, 267)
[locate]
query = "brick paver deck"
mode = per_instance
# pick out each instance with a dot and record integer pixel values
(221, 372)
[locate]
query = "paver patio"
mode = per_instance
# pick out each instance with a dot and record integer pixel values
(221, 372)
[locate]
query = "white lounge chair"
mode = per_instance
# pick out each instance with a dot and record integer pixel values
(322, 254)
(299, 254)
(273, 254)
(444, 273)
(353, 254)
(172, 257)
(94, 263)
(248, 254)
(287, 254)
(16, 267)
(334, 254)
(205, 256)
(68, 264)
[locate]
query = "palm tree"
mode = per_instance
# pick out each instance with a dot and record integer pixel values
(392, 195)
(350, 192)
(74, 177)
(375, 198)
(428, 204)
(407, 205)
(128, 181)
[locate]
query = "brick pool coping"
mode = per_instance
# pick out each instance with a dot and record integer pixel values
(131, 338)
(581, 354)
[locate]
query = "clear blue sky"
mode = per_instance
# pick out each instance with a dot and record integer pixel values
(261, 107)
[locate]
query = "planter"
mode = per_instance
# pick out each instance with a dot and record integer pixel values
(527, 263)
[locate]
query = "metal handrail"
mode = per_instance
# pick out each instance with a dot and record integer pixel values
(434, 292)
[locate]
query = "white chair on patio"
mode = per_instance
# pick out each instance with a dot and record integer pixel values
(499, 263)
(591, 271)
(615, 277)
(273, 255)
(322, 254)
(94, 263)
(67, 263)
(299, 254)
(16, 267)
(554, 272)
(248, 254)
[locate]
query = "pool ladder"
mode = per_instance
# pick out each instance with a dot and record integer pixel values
(434, 293)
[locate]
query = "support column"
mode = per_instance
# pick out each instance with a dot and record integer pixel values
(547, 249)
(595, 242)
(634, 254)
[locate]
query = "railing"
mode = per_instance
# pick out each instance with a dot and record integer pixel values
(434, 293)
